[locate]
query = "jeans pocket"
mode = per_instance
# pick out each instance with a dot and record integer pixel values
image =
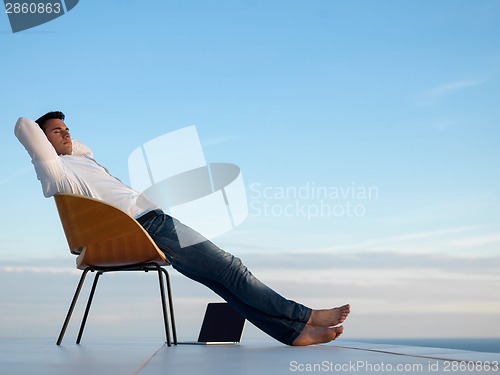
(161, 225)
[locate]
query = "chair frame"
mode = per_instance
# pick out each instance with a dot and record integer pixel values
(78, 247)
(153, 266)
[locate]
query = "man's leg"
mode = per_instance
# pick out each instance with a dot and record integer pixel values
(283, 319)
(227, 276)
(289, 332)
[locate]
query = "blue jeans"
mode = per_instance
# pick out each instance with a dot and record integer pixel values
(226, 275)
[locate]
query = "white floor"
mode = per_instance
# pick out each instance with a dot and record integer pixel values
(26, 357)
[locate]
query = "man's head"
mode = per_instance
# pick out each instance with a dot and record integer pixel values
(57, 132)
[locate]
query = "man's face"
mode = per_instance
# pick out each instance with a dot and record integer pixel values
(58, 135)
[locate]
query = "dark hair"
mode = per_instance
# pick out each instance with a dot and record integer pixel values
(49, 116)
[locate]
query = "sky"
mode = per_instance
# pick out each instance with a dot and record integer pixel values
(367, 133)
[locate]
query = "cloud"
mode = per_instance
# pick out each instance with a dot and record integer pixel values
(432, 95)
(451, 87)
(476, 241)
(437, 289)
(317, 262)
(13, 176)
(217, 140)
(34, 269)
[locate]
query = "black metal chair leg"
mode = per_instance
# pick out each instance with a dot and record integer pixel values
(149, 266)
(163, 304)
(72, 306)
(87, 309)
(171, 305)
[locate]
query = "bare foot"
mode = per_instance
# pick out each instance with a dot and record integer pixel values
(329, 317)
(317, 335)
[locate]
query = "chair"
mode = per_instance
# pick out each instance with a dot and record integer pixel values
(107, 239)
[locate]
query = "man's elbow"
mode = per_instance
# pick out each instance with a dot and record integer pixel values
(23, 126)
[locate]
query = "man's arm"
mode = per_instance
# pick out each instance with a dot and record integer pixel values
(34, 140)
(48, 165)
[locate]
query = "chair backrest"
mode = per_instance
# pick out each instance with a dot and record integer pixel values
(104, 235)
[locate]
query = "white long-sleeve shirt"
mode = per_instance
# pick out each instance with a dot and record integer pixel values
(77, 173)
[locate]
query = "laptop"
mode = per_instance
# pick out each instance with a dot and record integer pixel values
(221, 325)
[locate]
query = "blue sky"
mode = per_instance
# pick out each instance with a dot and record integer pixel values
(397, 96)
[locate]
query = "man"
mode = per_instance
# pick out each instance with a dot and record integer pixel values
(64, 165)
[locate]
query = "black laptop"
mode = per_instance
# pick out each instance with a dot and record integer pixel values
(221, 325)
